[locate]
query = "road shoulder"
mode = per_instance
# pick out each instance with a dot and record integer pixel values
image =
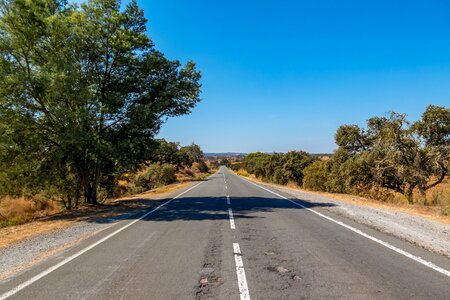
(430, 234)
(25, 245)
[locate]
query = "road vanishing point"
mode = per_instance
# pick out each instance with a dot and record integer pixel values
(229, 238)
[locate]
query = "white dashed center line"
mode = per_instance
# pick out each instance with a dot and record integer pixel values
(242, 281)
(230, 214)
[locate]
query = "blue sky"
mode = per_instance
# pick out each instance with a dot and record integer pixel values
(283, 75)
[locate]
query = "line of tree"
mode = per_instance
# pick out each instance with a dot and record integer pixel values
(390, 153)
(169, 158)
(180, 156)
(279, 168)
(83, 92)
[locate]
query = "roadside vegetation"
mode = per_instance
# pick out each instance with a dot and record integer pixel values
(391, 160)
(153, 174)
(83, 93)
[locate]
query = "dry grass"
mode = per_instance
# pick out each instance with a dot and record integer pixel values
(242, 172)
(192, 174)
(15, 211)
(158, 191)
(58, 221)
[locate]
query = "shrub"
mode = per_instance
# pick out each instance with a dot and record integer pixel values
(316, 176)
(153, 176)
(199, 167)
(242, 172)
(279, 168)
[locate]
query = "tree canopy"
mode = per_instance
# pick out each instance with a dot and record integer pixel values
(391, 153)
(83, 92)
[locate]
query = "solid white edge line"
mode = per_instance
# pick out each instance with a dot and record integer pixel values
(385, 244)
(230, 214)
(240, 271)
(72, 257)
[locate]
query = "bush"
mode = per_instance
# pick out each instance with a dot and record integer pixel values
(279, 168)
(316, 176)
(199, 167)
(153, 176)
(242, 172)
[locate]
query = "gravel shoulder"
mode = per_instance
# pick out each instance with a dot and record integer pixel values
(427, 233)
(25, 245)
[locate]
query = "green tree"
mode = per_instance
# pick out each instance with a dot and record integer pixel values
(89, 85)
(256, 163)
(168, 152)
(408, 156)
(191, 154)
(391, 153)
(351, 138)
(294, 165)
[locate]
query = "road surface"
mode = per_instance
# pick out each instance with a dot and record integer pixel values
(228, 238)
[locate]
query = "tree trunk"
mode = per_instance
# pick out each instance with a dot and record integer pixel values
(409, 194)
(90, 194)
(90, 186)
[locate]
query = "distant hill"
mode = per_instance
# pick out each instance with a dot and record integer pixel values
(240, 154)
(225, 154)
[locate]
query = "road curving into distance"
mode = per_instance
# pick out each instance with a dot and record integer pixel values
(228, 238)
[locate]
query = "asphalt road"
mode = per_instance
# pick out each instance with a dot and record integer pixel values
(251, 244)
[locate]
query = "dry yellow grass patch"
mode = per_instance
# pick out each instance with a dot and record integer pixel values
(14, 211)
(158, 191)
(242, 172)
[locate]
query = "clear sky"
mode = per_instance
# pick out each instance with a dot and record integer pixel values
(283, 75)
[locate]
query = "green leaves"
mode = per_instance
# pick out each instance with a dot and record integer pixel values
(393, 153)
(434, 127)
(90, 83)
(279, 167)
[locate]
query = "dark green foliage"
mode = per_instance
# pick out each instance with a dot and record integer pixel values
(223, 161)
(83, 92)
(191, 154)
(316, 175)
(168, 152)
(256, 163)
(390, 154)
(173, 153)
(279, 168)
(351, 138)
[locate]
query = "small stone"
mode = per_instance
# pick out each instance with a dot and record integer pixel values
(204, 280)
(282, 270)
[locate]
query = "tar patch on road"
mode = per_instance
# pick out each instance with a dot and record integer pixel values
(269, 264)
(210, 278)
